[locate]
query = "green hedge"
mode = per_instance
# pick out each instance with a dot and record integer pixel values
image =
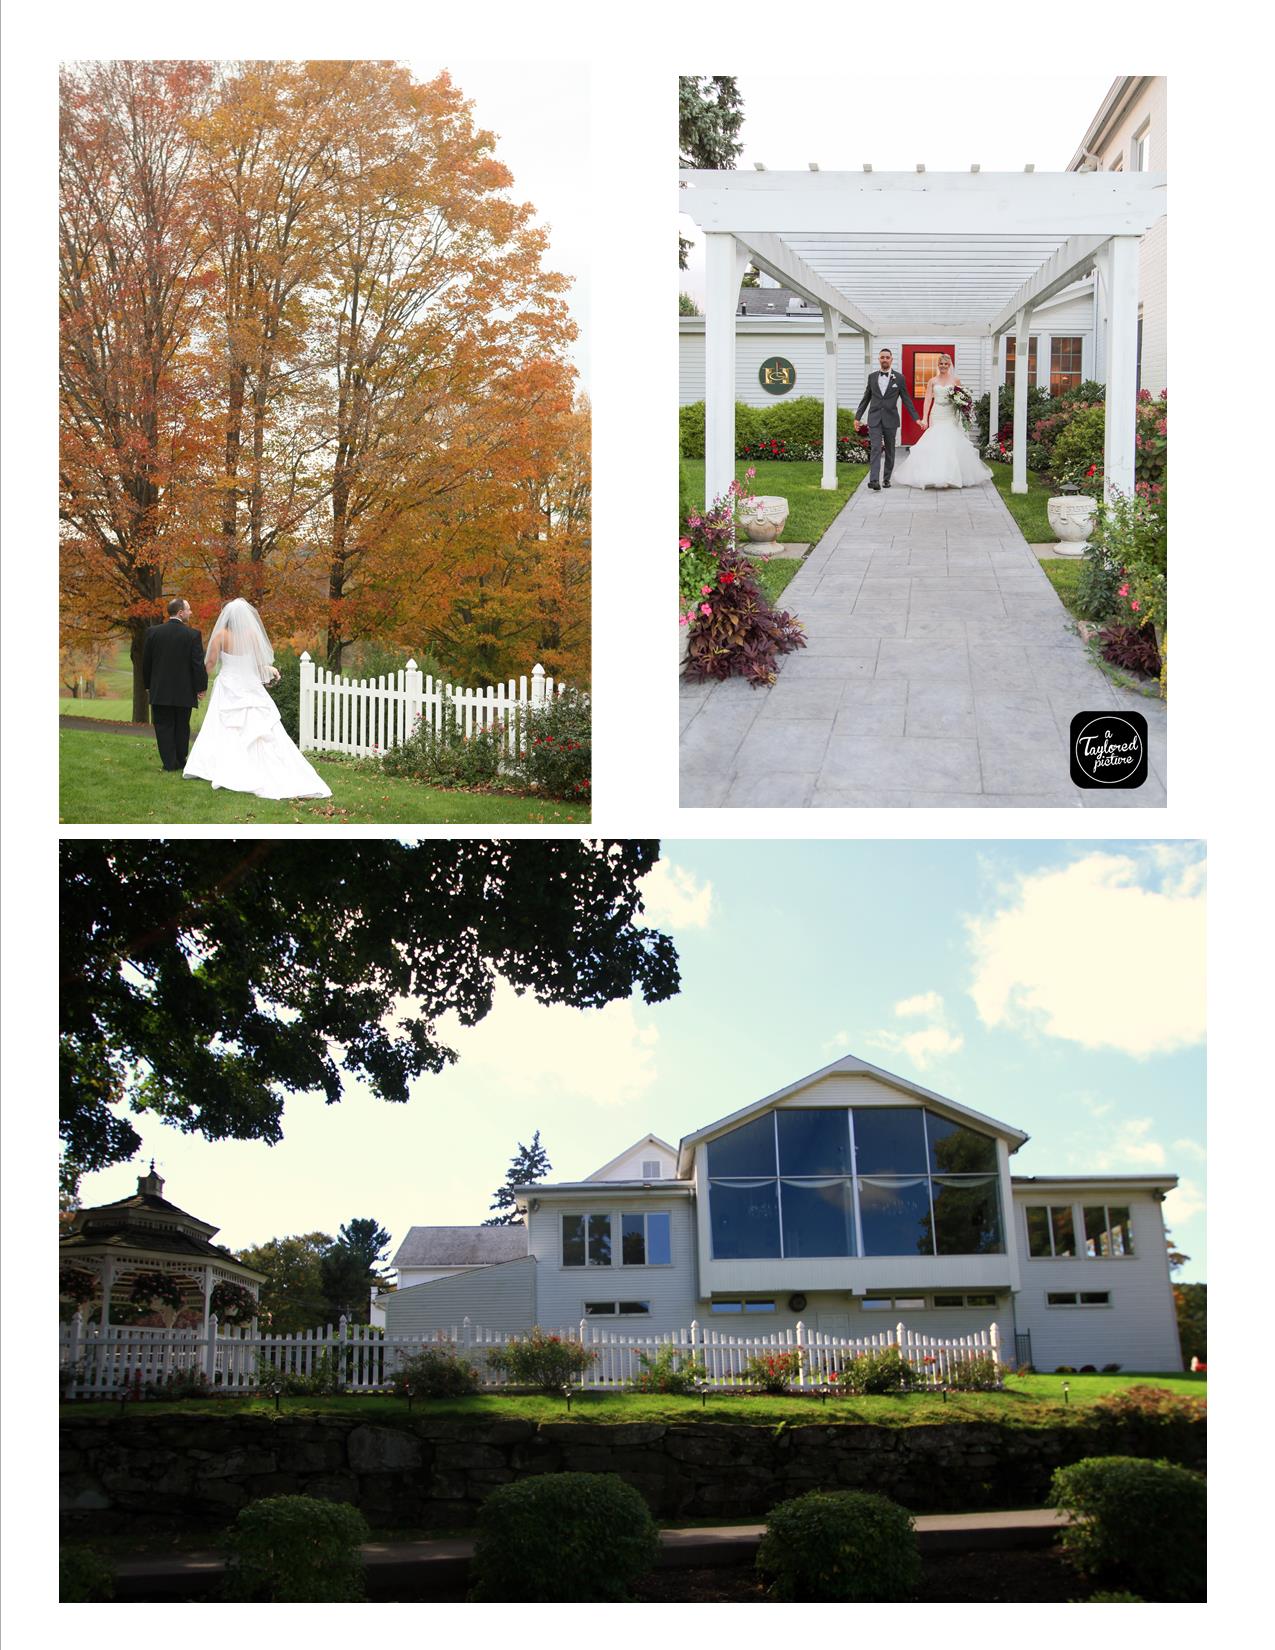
(796, 422)
(844, 1545)
(563, 1538)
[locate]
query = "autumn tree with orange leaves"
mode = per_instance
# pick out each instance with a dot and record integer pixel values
(311, 356)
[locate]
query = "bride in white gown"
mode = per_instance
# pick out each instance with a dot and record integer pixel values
(243, 745)
(943, 457)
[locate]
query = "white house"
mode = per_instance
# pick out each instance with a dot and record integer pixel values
(850, 1201)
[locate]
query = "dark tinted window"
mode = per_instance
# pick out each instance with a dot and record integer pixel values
(889, 1140)
(896, 1217)
(813, 1142)
(955, 1149)
(745, 1220)
(745, 1151)
(818, 1220)
(967, 1216)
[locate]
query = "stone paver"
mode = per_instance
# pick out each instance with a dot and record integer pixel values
(941, 671)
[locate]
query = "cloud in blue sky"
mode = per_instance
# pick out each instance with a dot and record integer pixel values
(1105, 952)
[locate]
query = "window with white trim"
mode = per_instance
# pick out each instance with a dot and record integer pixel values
(1108, 1231)
(651, 1169)
(1142, 149)
(1082, 1297)
(737, 1307)
(893, 1303)
(964, 1300)
(645, 1239)
(1051, 1231)
(617, 1309)
(586, 1240)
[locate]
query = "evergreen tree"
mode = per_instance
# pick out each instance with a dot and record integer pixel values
(531, 1163)
(710, 112)
(349, 1268)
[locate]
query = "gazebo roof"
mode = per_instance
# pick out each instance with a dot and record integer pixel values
(924, 252)
(147, 1224)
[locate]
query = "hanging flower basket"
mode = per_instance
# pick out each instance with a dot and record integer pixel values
(232, 1303)
(158, 1289)
(77, 1286)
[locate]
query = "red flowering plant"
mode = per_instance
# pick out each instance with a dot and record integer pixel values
(233, 1303)
(774, 1372)
(559, 747)
(161, 1287)
(77, 1286)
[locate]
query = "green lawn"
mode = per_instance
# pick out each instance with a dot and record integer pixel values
(1030, 1400)
(811, 511)
(1064, 574)
(1027, 509)
(109, 778)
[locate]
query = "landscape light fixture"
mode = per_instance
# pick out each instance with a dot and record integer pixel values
(407, 1393)
(1066, 1392)
(567, 1394)
(276, 1391)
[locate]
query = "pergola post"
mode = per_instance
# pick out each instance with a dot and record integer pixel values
(993, 387)
(725, 262)
(1120, 429)
(828, 480)
(1022, 357)
(208, 1289)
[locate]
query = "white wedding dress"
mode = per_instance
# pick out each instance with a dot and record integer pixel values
(944, 456)
(243, 745)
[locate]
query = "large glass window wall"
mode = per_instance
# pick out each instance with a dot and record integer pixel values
(862, 1180)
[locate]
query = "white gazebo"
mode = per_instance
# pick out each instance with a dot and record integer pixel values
(967, 255)
(116, 1244)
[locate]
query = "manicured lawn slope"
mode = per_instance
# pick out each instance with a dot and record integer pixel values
(109, 778)
(1032, 1400)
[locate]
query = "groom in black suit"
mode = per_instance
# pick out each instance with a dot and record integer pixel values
(881, 396)
(174, 676)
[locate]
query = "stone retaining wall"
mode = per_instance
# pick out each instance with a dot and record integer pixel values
(433, 1473)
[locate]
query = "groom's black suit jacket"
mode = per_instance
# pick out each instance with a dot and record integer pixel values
(173, 664)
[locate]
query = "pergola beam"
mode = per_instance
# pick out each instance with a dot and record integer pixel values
(1073, 259)
(780, 262)
(961, 203)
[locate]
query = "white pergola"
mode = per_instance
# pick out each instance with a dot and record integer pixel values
(918, 256)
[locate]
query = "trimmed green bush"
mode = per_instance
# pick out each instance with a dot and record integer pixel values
(1136, 1523)
(797, 422)
(841, 1545)
(564, 1538)
(286, 692)
(690, 422)
(435, 1372)
(294, 1549)
(1079, 446)
(84, 1577)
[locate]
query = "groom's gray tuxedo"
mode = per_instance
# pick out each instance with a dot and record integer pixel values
(883, 419)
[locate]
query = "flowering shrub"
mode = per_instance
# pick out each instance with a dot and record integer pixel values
(668, 1371)
(878, 1372)
(768, 449)
(774, 1371)
(539, 1360)
(444, 754)
(975, 1372)
(434, 1372)
(559, 754)
(1149, 1419)
(1132, 534)
(323, 1381)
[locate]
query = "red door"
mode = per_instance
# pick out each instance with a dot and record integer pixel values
(920, 363)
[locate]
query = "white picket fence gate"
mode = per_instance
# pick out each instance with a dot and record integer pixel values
(104, 1363)
(367, 718)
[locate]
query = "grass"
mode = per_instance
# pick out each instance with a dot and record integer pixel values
(1064, 575)
(811, 511)
(1028, 509)
(109, 778)
(1028, 1401)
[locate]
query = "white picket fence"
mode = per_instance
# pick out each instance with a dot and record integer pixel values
(104, 1363)
(367, 718)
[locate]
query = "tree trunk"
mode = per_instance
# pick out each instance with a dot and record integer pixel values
(141, 704)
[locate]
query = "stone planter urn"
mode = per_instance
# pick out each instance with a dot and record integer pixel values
(763, 519)
(1071, 515)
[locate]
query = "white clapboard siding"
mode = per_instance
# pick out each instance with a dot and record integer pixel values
(124, 1362)
(369, 717)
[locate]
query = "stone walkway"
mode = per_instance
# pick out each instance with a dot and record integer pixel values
(941, 671)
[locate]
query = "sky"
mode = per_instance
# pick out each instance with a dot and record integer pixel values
(1055, 987)
(539, 139)
(1003, 123)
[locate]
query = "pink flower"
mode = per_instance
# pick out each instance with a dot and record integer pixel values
(1136, 606)
(706, 590)
(1124, 590)
(749, 474)
(684, 618)
(706, 610)
(683, 544)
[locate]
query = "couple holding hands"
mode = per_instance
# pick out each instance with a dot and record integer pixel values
(943, 456)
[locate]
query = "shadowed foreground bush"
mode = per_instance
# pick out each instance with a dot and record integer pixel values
(1137, 1524)
(294, 1549)
(567, 1538)
(842, 1545)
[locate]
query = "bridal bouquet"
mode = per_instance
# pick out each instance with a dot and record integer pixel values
(963, 402)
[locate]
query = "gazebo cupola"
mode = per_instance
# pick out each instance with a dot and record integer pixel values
(145, 1250)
